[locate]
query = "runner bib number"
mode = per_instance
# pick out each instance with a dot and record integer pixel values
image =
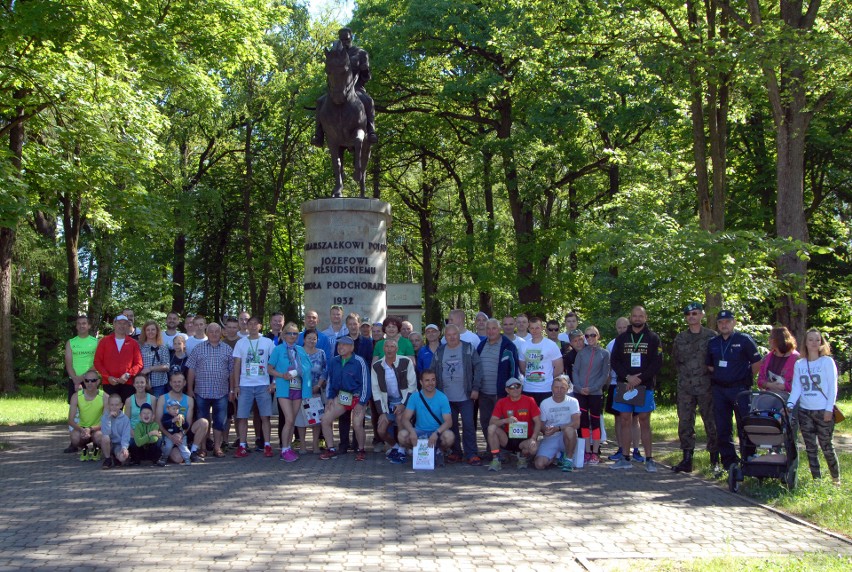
(518, 430)
(253, 369)
(295, 383)
(344, 398)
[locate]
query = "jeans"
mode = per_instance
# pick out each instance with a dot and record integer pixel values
(725, 403)
(468, 442)
(487, 402)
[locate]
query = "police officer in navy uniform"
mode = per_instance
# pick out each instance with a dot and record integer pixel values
(733, 360)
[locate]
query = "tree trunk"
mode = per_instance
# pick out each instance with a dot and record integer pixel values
(179, 274)
(72, 222)
(247, 216)
(104, 253)
(48, 296)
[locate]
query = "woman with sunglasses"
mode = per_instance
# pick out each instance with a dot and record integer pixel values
(290, 363)
(815, 391)
(591, 374)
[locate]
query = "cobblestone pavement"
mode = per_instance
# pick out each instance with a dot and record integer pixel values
(259, 513)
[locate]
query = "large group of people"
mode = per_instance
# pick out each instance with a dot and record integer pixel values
(535, 391)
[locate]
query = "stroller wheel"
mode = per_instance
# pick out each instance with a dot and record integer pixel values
(733, 483)
(792, 476)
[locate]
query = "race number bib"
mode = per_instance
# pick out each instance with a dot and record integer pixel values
(295, 383)
(344, 398)
(253, 369)
(635, 359)
(518, 430)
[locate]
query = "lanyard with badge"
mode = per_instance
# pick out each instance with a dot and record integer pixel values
(253, 362)
(723, 362)
(295, 379)
(635, 356)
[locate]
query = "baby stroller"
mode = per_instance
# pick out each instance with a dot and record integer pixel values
(767, 428)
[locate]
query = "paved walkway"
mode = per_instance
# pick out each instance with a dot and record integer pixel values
(259, 513)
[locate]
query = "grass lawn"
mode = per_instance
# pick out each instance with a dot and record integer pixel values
(803, 563)
(817, 501)
(32, 406)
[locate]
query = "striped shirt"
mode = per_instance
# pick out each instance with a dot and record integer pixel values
(212, 366)
(156, 355)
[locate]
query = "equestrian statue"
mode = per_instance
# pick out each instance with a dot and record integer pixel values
(345, 116)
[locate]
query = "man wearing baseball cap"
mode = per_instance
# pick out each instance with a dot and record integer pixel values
(118, 359)
(689, 352)
(515, 425)
(733, 360)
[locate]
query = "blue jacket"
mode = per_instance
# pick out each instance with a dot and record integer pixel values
(280, 360)
(353, 376)
(508, 367)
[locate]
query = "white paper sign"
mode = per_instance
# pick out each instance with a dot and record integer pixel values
(424, 456)
(579, 453)
(313, 409)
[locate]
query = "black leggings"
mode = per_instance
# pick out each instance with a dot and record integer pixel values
(590, 415)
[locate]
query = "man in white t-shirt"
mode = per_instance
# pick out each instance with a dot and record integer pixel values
(543, 363)
(523, 324)
(242, 321)
(560, 416)
(457, 318)
(251, 384)
(171, 331)
(572, 322)
(200, 325)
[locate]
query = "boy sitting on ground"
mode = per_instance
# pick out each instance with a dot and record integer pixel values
(175, 425)
(146, 437)
(115, 430)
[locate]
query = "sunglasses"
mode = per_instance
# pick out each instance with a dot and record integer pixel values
(291, 333)
(552, 329)
(91, 380)
(587, 336)
(514, 387)
(693, 313)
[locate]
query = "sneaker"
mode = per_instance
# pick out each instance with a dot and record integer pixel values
(196, 457)
(70, 449)
(328, 454)
(495, 465)
(586, 458)
(289, 456)
(622, 464)
(475, 461)
(108, 464)
(84, 454)
(378, 447)
(567, 466)
(95, 455)
(258, 449)
(650, 466)
(835, 481)
(297, 444)
(522, 462)
(637, 457)
(439, 458)
(162, 462)
(594, 459)
(267, 451)
(187, 462)
(453, 458)
(617, 456)
(241, 453)
(392, 454)
(361, 455)
(398, 459)
(718, 470)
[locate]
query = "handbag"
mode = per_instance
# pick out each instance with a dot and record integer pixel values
(635, 396)
(838, 415)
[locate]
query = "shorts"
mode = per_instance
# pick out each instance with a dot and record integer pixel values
(551, 447)
(294, 395)
(355, 401)
(610, 398)
(123, 390)
(423, 434)
(219, 406)
(513, 445)
(538, 396)
(646, 407)
(250, 395)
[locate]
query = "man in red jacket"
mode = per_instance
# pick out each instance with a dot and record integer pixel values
(118, 359)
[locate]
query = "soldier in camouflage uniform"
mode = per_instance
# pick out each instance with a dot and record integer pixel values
(689, 352)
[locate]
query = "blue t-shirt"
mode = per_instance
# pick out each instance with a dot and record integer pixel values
(732, 359)
(423, 420)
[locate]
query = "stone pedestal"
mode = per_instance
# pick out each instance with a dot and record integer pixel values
(346, 256)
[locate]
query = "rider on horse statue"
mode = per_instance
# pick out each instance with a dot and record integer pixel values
(360, 61)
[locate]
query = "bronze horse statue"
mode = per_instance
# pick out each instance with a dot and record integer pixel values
(344, 120)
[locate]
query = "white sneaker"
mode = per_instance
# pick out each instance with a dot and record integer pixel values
(650, 466)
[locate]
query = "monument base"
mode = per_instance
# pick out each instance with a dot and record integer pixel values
(346, 257)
